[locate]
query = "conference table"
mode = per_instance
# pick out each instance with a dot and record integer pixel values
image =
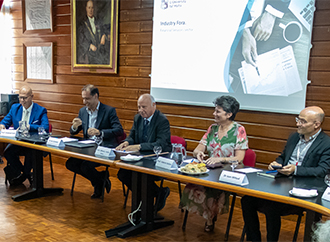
(259, 186)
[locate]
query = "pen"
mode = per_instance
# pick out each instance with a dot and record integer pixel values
(258, 71)
(272, 171)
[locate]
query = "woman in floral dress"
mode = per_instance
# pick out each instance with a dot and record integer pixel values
(225, 141)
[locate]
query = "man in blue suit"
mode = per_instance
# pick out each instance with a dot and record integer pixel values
(35, 117)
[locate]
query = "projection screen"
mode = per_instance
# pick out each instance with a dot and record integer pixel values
(255, 50)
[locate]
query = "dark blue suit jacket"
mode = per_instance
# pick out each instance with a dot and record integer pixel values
(317, 159)
(159, 133)
(38, 117)
(107, 121)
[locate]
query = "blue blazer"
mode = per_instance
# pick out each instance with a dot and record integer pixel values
(38, 117)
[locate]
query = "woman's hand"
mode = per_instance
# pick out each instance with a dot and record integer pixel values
(200, 156)
(213, 160)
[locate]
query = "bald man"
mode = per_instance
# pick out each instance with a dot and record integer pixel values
(150, 128)
(35, 117)
(307, 153)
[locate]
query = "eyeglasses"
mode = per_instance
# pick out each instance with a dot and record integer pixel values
(23, 98)
(302, 121)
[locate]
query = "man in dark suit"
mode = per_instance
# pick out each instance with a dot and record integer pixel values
(96, 119)
(307, 153)
(35, 117)
(150, 128)
(92, 39)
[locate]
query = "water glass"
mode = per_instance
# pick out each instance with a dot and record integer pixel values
(157, 150)
(98, 139)
(41, 132)
(22, 129)
(327, 179)
(234, 164)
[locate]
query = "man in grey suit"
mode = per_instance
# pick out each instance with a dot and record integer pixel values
(96, 119)
(307, 153)
(150, 128)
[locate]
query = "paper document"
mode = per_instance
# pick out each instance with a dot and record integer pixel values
(67, 139)
(276, 74)
(86, 142)
(248, 170)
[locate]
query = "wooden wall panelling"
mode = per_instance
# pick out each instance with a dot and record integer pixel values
(267, 132)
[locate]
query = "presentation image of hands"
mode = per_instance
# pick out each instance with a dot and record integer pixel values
(273, 47)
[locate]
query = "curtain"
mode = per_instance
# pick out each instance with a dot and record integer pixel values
(6, 45)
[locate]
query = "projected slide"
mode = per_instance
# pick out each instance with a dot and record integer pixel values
(255, 50)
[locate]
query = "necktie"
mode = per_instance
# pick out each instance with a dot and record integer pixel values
(25, 116)
(145, 131)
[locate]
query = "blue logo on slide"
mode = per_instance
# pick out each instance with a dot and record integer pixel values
(164, 4)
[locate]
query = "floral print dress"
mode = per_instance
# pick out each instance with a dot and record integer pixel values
(205, 201)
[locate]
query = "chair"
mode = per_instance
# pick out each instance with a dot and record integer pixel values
(249, 160)
(174, 139)
(119, 139)
(49, 155)
(296, 231)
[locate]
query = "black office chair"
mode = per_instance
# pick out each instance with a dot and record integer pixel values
(296, 231)
(45, 154)
(106, 175)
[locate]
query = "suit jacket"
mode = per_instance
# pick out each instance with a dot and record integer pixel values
(38, 117)
(87, 37)
(159, 133)
(107, 122)
(317, 159)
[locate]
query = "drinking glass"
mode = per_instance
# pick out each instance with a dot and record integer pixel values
(98, 139)
(234, 164)
(41, 132)
(157, 150)
(327, 179)
(22, 126)
(23, 130)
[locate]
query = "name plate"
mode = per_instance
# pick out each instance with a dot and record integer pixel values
(55, 142)
(8, 132)
(326, 194)
(166, 163)
(105, 152)
(234, 178)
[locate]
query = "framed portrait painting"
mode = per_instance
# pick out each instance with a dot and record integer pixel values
(94, 36)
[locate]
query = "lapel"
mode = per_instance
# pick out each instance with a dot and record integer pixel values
(152, 125)
(89, 26)
(100, 115)
(20, 113)
(85, 121)
(33, 113)
(291, 147)
(315, 144)
(140, 128)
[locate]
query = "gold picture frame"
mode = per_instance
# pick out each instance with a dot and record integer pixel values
(94, 41)
(38, 62)
(37, 16)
